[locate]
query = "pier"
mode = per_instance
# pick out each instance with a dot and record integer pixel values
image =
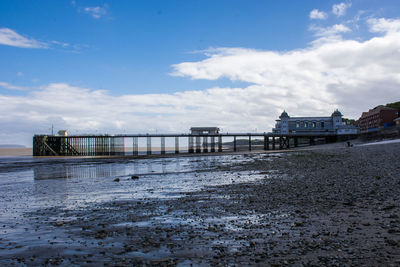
(115, 145)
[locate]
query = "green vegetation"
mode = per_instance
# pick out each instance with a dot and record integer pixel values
(348, 121)
(395, 105)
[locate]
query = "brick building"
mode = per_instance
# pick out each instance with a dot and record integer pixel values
(378, 117)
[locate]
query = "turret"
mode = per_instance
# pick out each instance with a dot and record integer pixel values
(336, 119)
(284, 122)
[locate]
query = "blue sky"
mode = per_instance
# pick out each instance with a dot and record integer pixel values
(173, 49)
(130, 48)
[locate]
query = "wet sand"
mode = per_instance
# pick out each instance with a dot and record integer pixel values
(333, 206)
(15, 152)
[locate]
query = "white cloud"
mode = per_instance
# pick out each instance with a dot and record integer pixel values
(330, 31)
(11, 38)
(316, 14)
(64, 45)
(351, 75)
(13, 87)
(96, 11)
(340, 9)
(384, 25)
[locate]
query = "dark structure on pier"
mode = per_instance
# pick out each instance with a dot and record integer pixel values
(50, 145)
(114, 145)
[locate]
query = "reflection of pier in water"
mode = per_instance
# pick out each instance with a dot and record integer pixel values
(63, 171)
(112, 168)
(106, 145)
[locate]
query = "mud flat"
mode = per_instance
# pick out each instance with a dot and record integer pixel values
(15, 152)
(330, 207)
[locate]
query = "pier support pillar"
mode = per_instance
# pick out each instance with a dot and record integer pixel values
(205, 144)
(280, 142)
(219, 143)
(212, 143)
(267, 138)
(265, 142)
(135, 146)
(198, 144)
(190, 145)
(312, 141)
(234, 144)
(148, 145)
(273, 143)
(176, 145)
(249, 142)
(162, 145)
(296, 142)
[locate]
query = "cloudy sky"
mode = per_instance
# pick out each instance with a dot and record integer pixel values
(164, 66)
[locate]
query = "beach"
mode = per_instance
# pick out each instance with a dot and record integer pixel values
(328, 206)
(15, 152)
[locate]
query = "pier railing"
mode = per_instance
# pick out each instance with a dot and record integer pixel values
(114, 145)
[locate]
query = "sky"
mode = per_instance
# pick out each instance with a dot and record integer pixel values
(165, 66)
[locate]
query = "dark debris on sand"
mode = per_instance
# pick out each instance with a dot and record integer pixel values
(336, 207)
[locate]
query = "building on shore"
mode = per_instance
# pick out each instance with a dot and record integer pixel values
(377, 118)
(204, 130)
(397, 122)
(63, 132)
(332, 124)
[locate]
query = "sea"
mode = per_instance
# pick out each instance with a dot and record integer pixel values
(29, 185)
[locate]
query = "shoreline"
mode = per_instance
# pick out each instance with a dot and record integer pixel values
(15, 152)
(330, 206)
(24, 152)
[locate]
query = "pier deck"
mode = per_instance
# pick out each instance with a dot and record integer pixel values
(114, 145)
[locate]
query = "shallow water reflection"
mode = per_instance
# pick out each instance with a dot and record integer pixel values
(33, 184)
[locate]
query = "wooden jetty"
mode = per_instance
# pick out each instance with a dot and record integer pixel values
(114, 145)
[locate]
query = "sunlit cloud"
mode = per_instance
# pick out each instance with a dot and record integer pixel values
(332, 30)
(316, 14)
(11, 38)
(384, 25)
(352, 75)
(340, 9)
(13, 87)
(96, 11)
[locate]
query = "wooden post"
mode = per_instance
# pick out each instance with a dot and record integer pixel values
(234, 144)
(312, 141)
(190, 145)
(100, 145)
(265, 142)
(249, 142)
(212, 143)
(135, 146)
(111, 145)
(219, 143)
(205, 144)
(176, 144)
(162, 145)
(198, 144)
(148, 145)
